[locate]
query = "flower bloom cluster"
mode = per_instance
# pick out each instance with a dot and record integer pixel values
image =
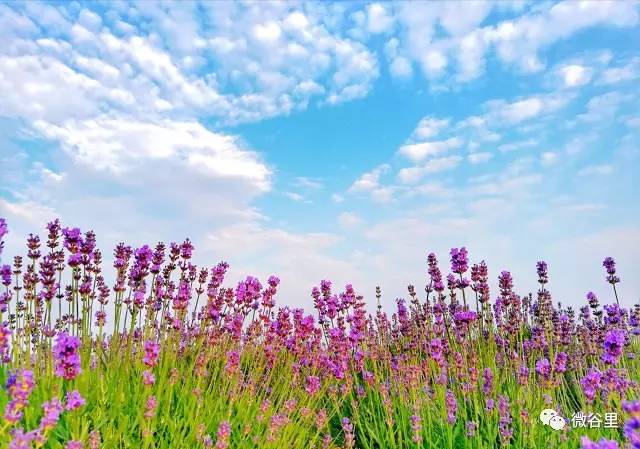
(66, 356)
(19, 386)
(455, 362)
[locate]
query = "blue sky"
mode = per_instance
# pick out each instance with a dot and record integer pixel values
(331, 140)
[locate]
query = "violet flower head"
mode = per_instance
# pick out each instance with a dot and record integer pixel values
(614, 341)
(465, 316)
(632, 408)
(5, 275)
(505, 282)
(452, 406)
(504, 423)
(543, 368)
(74, 444)
(592, 299)
(21, 439)
(591, 383)
(487, 386)
(459, 260)
(73, 400)
(72, 239)
(560, 364)
(19, 386)
(543, 274)
(151, 351)
(148, 378)
(349, 437)
(5, 338)
(223, 435)
(52, 411)
(66, 357)
(312, 385)
(610, 265)
(631, 432)
(586, 443)
(434, 273)
(4, 230)
(150, 407)
(95, 439)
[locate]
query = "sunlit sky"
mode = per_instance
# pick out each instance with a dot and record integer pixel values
(339, 141)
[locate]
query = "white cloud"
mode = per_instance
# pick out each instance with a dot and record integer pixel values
(602, 108)
(295, 197)
(479, 158)
(433, 63)
(518, 145)
(119, 145)
(308, 183)
(627, 72)
(429, 127)
(596, 170)
(401, 67)
(369, 181)
(633, 122)
(337, 198)
(516, 40)
(548, 158)
(417, 152)
(575, 75)
(526, 108)
(414, 174)
(379, 20)
(268, 33)
(349, 219)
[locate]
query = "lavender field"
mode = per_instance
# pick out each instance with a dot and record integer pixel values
(167, 356)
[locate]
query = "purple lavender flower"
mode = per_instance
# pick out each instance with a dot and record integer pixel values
(312, 385)
(543, 368)
(19, 386)
(452, 406)
(5, 275)
(504, 422)
(560, 364)
(5, 340)
(632, 408)
(95, 439)
(223, 435)
(52, 411)
(592, 299)
(349, 437)
(459, 260)
(591, 383)
(586, 443)
(631, 432)
(66, 357)
(73, 400)
(471, 428)
(487, 375)
(21, 439)
(614, 341)
(233, 361)
(434, 273)
(464, 316)
(151, 351)
(416, 427)
(505, 282)
(543, 274)
(150, 407)
(4, 230)
(610, 265)
(74, 444)
(148, 378)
